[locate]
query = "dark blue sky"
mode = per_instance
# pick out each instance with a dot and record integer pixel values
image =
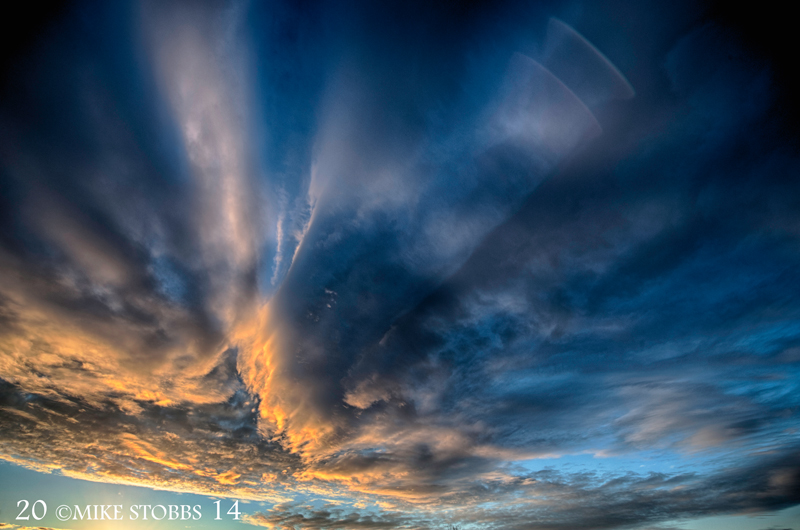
(404, 265)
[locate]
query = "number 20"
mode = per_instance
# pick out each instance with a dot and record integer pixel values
(33, 510)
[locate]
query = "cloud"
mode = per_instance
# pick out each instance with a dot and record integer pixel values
(327, 519)
(366, 256)
(550, 499)
(15, 527)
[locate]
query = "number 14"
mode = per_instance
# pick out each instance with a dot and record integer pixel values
(234, 511)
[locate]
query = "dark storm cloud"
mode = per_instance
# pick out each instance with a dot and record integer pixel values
(391, 251)
(647, 303)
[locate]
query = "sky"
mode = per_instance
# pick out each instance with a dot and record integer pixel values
(376, 265)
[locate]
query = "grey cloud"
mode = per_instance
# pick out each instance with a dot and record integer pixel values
(330, 519)
(551, 500)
